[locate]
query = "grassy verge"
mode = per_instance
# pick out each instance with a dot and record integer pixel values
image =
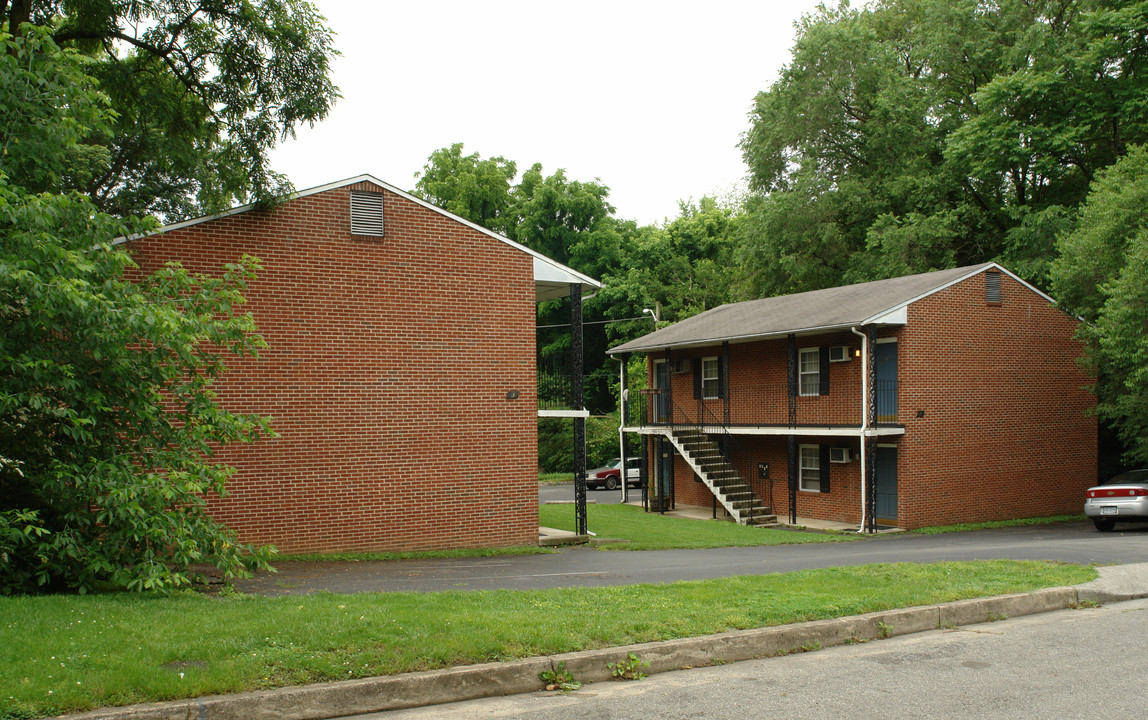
(965, 527)
(70, 653)
(374, 557)
(651, 531)
(555, 478)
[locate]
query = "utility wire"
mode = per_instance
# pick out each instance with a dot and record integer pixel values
(592, 322)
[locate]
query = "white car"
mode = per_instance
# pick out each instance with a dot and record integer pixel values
(1123, 498)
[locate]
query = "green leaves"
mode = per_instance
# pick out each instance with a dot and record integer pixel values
(107, 421)
(1100, 276)
(202, 91)
(911, 135)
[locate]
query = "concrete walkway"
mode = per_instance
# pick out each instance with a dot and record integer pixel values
(354, 697)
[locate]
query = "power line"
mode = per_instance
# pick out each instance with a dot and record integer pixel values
(592, 322)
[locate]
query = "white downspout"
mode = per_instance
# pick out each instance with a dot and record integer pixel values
(864, 416)
(623, 392)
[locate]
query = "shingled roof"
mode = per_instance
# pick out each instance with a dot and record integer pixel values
(836, 308)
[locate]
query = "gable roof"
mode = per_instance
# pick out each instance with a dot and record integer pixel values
(871, 303)
(552, 279)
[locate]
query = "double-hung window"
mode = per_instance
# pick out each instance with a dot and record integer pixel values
(810, 458)
(710, 381)
(809, 371)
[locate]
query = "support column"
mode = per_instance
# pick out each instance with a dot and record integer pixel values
(791, 376)
(794, 473)
(870, 419)
(577, 402)
(623, 414)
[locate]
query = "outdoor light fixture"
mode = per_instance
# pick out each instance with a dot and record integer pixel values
(857, 352)
(511, 394)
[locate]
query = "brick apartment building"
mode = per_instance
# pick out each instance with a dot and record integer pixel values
(931, 399)
(400, 374)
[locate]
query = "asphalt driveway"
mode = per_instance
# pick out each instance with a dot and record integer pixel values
(1075, 542)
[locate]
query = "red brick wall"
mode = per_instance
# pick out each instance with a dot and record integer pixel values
(386, 378)
(1003, 434)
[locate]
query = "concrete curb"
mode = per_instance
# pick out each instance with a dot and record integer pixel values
(352, 697)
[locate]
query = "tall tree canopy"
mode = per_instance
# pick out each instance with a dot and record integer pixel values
(107, 419)
(467, 185)
(1102, 274)
(201, 92)
(911, 135)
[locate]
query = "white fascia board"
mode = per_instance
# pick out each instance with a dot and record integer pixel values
(876, 319)
(553, 267)
(738, 339)
(896, 316)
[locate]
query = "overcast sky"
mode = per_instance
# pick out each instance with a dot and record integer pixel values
(649, 97)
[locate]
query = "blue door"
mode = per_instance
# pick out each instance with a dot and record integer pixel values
(661, 383)
(885, 389)
(886, 490)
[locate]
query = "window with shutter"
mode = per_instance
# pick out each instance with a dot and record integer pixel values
(366, 213)
(809, 371)
(810, 467)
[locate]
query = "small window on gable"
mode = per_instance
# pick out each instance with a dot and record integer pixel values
(366, 213)
(992, 286)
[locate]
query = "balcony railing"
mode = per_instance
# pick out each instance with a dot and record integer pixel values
(554, 391)
(766, 406)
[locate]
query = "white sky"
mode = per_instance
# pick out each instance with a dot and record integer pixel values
(649, 97)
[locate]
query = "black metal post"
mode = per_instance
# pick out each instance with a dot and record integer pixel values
(724, 380)
(871, 417)
(793, 479)
(577, 402)
(791, 363)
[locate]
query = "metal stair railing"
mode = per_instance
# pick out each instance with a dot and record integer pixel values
(714, 465)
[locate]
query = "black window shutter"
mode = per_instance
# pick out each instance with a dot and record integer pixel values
(823, 372)
(823, 461)
(697, 379)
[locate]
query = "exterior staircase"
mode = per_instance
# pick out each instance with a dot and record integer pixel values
(720, 476)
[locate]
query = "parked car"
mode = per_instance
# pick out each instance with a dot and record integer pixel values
(610, 476)
(1123, 498)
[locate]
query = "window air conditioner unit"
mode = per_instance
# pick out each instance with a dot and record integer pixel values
(840, 455)
(840, 353)
(681, 366)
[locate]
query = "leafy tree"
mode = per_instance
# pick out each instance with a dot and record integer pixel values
(468, 186)
(681, 269)
(202, 91)
(1100, 275)
(918, 134)
(107, 419)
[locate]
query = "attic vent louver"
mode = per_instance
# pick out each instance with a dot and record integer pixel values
(366, 213)
(992, 287)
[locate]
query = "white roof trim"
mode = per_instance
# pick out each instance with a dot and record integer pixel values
(880, 317)
(541, 262)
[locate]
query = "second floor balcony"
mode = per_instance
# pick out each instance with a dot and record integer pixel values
(766, 406)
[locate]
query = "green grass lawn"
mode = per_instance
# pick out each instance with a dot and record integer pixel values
(1022, 522)
(651, 531)
(72, 653)
(555, 478)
